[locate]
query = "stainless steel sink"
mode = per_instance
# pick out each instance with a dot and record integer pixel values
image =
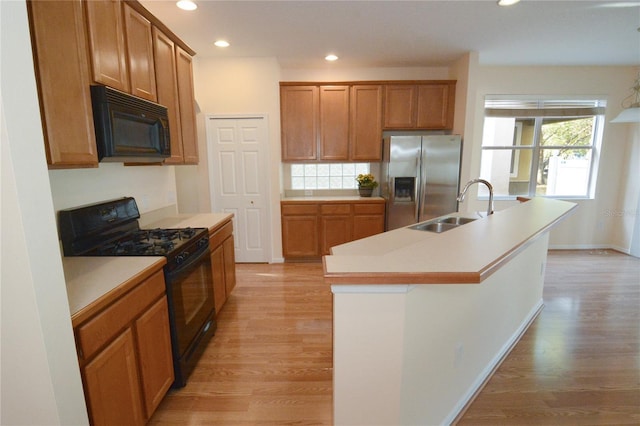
(456, 220)
(441, 224)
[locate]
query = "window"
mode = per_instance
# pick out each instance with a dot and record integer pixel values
(541, 147)
(327, 175)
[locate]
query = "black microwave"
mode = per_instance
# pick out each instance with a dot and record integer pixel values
(128, 128)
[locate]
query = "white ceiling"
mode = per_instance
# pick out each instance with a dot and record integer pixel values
(411, 33)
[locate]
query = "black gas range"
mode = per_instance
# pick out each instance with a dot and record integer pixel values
(111, 228)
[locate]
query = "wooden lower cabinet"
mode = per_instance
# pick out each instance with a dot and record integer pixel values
(300, 230)
(112, 384)
(368, 220)
(124, 351)
(310, 229)
(223, 263)
(156, 366)
(336, 226)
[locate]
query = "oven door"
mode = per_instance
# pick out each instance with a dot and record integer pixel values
(191, 303)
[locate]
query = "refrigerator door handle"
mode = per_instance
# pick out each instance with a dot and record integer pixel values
(423, 186)
(417, 190)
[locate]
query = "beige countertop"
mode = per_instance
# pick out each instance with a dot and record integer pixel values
(466, 254)
(320, 198)
(92, 282)
(200, 220)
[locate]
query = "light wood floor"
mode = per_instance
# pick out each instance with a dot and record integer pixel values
(270, 360)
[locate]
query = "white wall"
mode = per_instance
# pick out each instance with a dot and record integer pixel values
(591, 226)
(153, 187)
(40, 378)
(626, 237)
(235, 87)
(329, 73)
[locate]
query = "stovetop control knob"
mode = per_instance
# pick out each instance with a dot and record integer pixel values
(202, 242)
(182, 257)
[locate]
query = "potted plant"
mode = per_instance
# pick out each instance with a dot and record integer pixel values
(366, 184)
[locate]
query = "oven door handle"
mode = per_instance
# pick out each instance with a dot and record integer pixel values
(186, 267)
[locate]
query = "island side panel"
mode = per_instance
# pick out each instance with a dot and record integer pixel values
(417, 355)
(367, 354)
(455, 335)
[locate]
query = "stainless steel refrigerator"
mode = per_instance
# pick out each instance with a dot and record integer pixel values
(420, 177)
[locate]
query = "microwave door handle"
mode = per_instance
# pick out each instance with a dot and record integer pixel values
(164, 125)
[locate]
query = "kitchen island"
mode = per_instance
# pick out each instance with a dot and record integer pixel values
(421, 319)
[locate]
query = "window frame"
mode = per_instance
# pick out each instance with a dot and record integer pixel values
(597, 110)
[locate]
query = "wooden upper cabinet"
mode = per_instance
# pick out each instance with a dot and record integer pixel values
(299, 122)
(420, 106)
(142, 74)
(165, 63)
(186, 106)
(436, 103)
(107, 43)
(400, 106)
(62, 71)
(366, 123)
(334, 123)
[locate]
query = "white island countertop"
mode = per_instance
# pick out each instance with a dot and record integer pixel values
(466, 254)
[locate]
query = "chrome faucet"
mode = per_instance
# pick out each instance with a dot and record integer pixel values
(489, 186)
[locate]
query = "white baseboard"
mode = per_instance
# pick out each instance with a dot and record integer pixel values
(486, 374)
(624, 250)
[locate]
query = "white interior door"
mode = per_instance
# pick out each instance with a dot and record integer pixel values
(238, 174)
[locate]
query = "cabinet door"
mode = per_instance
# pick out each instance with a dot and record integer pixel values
(106, 42)
(366, 123)
(300, 236)
(165, 63)
(299, 122)
(436, 106)
(334, 123)
(142, 74)
(186, 102)
(334, 230)
(154, 351)
(367, 225)
(400, 102)
(62, 71)
(368, 219)
(229, 265)
(217, 271)
(112, 385)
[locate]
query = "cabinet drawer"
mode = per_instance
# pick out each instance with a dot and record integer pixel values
(377, 208)
(220, 235)
(299, 209)
(106, 325)
(335, 209)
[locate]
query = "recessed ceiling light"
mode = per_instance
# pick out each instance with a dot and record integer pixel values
(221, 43)
(507, 2)
(186, 5)
(331, 57)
